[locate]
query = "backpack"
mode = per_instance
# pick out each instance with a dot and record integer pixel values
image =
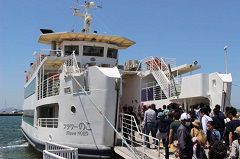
(163, 126)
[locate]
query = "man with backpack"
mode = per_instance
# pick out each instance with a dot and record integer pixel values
(163, 124)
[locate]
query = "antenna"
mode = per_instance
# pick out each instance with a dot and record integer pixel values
(87, 18)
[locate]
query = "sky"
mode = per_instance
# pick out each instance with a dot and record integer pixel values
(187, 30)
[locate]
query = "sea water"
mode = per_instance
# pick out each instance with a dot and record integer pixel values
(13, 145)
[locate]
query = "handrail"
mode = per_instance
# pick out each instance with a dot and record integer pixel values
(57, 151)
(49, 155)
(137, 141)
(48, 122)
(49, 87)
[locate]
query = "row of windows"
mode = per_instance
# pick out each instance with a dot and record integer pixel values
(90, 51)
(30, 89)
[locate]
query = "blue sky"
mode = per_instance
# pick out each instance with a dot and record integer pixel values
(187, 30)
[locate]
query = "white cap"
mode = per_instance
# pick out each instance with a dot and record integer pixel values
(185, 116)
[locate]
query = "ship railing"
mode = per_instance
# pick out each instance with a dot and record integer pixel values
(57, 151)
(49, 87)
(142, 144)
(160, 69)
(48, 122)
(169, 61)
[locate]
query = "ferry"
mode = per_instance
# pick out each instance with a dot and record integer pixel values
(75, 91)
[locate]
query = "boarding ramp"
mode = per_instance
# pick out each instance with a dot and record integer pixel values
(57, 151)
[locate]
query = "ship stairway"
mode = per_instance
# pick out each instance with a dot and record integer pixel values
(161, 71)
(57, 151)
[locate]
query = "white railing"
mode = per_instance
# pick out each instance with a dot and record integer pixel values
(49, 87)
(48, 122)
(159, 67)
(57, 151)
(138, 140)
(170, 61)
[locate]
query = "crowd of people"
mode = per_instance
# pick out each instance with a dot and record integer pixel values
(200, 133)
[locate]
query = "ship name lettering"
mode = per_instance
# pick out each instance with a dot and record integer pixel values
(71, 133)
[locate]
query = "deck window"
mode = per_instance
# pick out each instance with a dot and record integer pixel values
(68, 49)
(112, 53)
(48, 115)
(93, 51)
(28, 117)
(30, 89)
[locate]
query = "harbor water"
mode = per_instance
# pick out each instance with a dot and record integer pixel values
(13, 145)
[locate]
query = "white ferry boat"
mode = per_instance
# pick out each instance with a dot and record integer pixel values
(73, 94)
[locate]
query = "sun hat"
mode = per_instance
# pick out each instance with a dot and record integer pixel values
(237, 130)
(196, 123)
(185, 116)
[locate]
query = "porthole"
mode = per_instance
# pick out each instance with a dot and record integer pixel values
(73, 109)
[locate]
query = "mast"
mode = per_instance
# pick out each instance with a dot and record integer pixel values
(87, 18)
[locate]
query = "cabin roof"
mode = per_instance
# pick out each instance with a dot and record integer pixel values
(121, 42)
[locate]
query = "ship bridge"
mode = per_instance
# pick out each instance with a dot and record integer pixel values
(90, 49)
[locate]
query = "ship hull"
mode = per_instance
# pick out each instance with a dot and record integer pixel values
(85, 119)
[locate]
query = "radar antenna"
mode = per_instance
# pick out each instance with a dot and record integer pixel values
(87, 18)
